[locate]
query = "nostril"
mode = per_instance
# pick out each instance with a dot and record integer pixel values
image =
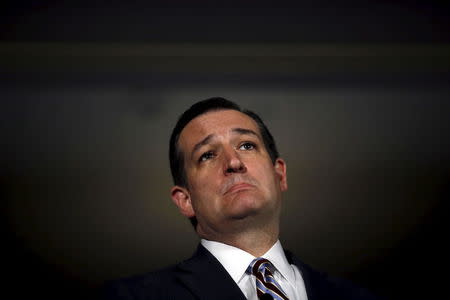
(239, 169)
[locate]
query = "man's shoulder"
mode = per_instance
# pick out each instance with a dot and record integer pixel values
(166, 283)
(332, 287)
(155, 283)
(165, 274)
(322, 285)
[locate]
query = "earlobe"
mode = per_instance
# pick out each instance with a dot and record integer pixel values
(280, 169)
(181, 198)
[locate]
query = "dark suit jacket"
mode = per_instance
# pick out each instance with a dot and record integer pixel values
(203, 277)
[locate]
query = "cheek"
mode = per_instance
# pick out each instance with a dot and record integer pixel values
(206, 176)
(203, 187)
(200, 178)
(267, 177)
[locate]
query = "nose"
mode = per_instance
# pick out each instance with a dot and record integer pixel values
(233, 163)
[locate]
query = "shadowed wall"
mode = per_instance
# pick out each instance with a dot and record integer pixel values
(85, 123)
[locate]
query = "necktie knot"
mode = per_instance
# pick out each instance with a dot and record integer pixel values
(265, 282)
(260, 264)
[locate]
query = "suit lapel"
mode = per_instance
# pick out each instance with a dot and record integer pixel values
(313, 280)
(206, 278)
(309, 276)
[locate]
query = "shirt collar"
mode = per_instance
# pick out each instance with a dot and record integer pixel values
(277, 257)
(233, 259)
(236, 261)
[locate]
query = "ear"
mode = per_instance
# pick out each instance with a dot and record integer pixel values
(280, 169)
(182, 199)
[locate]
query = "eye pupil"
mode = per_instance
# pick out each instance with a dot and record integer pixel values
(248, 146)
(206, 156)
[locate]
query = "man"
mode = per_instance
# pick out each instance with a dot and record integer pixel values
(229, 181)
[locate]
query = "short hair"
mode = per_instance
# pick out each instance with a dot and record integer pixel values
(176, 156)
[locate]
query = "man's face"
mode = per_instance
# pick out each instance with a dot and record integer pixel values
(229, 172)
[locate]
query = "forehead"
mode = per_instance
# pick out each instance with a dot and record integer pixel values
(214, 122)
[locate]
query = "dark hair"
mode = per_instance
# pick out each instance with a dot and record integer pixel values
(212, 104)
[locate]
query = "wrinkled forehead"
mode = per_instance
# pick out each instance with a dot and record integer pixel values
(218, 123)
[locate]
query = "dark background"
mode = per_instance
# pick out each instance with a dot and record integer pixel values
(355, 93)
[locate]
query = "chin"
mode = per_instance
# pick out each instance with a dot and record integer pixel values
(247, 208)
(247, 203)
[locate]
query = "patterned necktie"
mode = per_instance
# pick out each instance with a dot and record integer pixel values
(265, 282)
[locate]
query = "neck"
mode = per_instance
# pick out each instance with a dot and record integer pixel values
(255, 241)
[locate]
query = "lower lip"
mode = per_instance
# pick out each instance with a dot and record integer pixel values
(239, 187)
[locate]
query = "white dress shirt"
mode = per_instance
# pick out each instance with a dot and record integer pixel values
(236, 261)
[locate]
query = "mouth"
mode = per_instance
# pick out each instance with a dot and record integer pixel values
(238, 187)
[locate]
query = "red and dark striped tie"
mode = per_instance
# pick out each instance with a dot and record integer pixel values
(265, 282)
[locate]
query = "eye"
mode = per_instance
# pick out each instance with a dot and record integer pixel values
(205, 156)
(247, 146)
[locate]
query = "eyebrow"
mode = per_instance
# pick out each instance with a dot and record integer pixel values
(203, 142)
(208, 138)
(245, 131)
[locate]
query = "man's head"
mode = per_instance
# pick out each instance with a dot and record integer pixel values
(224, 164)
